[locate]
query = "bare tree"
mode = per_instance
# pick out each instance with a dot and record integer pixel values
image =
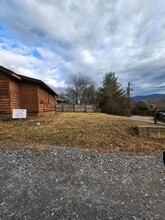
(80, 90)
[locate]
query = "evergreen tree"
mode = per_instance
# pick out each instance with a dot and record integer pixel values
(111, 96)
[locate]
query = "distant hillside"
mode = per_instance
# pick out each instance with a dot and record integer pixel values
(148, 97)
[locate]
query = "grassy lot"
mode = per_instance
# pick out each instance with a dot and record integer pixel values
(91, 131)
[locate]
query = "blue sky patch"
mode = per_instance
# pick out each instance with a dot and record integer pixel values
(37, 54)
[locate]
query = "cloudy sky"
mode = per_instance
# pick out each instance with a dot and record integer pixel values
(50, 39)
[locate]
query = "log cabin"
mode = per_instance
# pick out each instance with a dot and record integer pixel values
(22, 92)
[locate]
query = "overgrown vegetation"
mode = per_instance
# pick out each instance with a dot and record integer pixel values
(110, 98)
(140, 108)
(90, 131)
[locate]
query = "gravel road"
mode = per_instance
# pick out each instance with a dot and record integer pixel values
(66, 184)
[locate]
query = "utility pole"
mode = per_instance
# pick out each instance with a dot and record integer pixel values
(129, 89)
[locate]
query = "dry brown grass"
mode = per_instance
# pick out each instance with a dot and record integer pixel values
(90, 131)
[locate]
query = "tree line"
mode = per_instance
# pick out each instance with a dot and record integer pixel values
(109, 98)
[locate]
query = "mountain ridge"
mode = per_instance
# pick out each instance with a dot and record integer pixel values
(148, 97)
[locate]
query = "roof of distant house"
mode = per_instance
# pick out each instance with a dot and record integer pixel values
(60, 100)
(160, 105)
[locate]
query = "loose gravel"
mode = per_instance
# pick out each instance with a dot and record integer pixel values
(66, 184)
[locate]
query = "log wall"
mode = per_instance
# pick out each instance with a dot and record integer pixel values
(14, 95)
(28, 97)
(46, 101)
(4, 94)
(17, 94)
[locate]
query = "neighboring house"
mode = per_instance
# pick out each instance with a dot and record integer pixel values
(21, 92)
(60, 100)
(160, 105)
(157, 110)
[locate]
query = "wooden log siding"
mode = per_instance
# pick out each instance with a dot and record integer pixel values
(46, 101)
(14, 95)
(4, 94)
(29, 97)
(18, 91)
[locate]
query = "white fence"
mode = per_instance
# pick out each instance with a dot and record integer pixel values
(75, 108)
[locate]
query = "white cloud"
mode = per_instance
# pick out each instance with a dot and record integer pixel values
(9, 58)
(87, 57)
(91, 37)
(55, 83)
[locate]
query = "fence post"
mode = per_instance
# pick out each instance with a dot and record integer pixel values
(85, 108)
(62, 107)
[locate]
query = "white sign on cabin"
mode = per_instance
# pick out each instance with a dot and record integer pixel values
(19, 113)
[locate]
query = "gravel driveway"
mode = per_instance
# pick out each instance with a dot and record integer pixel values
(66, 184)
